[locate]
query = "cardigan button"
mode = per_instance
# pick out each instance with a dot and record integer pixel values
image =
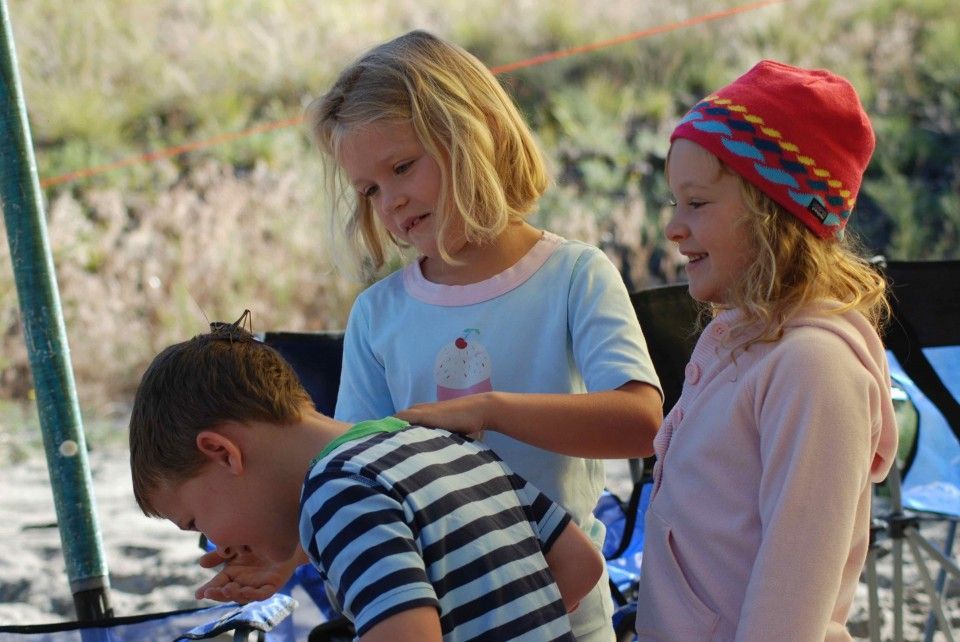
(692, 373)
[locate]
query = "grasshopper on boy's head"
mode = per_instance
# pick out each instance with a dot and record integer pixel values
(193, 386)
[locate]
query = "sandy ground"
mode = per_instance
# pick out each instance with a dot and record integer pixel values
(153, 565)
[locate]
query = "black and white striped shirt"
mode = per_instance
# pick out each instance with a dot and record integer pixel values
(401, 517)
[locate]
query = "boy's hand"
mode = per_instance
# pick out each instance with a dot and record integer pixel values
(245, 577)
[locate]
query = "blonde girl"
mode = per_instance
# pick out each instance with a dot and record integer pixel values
(759, 520)
(495, 327)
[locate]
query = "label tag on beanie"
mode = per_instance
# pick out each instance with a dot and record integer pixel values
(817, 209)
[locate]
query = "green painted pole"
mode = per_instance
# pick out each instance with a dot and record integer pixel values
(46, 339)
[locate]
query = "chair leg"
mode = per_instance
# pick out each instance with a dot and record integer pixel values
(897, 524)
(941, 578)
(898, 590)
(903, 529)
(873, 618)
(916, 543)
(242, 634)
(949, 566)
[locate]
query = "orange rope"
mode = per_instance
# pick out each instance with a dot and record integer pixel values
(672, 26)
(149, 157)
(288, 122)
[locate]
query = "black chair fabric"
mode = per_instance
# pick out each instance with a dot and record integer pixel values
(925, 297)
(668, 316)
(316, 357)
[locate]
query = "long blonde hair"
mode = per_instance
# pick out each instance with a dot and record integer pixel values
(793, 269)
(492, 171)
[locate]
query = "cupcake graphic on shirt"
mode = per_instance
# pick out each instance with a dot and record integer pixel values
(462, 367)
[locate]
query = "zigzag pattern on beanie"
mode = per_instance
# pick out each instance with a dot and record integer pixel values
(778, 162)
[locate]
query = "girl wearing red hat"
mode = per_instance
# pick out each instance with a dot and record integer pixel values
(759, 521)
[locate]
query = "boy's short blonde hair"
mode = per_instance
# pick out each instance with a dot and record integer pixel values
(492, 171)
(196, 385)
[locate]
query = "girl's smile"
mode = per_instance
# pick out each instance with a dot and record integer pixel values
(413, 222)
(707, 221)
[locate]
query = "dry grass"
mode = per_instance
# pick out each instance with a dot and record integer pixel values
(146, 255)
(136, 274)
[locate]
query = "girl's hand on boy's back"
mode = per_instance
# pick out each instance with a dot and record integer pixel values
(464, 415)
(609, 423)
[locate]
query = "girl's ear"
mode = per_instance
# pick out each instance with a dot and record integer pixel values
(221, 450)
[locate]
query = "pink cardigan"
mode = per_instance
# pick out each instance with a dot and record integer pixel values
(758, 525)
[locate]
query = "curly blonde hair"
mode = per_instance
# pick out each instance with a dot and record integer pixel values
(492, 171)
(793, 268)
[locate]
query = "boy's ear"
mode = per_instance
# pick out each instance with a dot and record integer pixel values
(220, 449)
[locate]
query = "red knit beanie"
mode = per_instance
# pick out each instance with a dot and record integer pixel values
(799, 135)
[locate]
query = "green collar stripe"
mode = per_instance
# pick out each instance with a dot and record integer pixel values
(364, 429)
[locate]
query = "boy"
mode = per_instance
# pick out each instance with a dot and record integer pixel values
(420, 534)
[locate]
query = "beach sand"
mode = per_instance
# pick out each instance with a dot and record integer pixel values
(153, 565)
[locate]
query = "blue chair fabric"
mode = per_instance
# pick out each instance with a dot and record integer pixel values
(259, 618)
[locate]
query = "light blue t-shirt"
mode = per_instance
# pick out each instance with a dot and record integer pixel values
(558, 321)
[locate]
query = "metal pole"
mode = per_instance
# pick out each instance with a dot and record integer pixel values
(47, 347)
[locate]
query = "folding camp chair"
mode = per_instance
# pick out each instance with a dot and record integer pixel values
(256, 621)
(923, 341)
(668, 316)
